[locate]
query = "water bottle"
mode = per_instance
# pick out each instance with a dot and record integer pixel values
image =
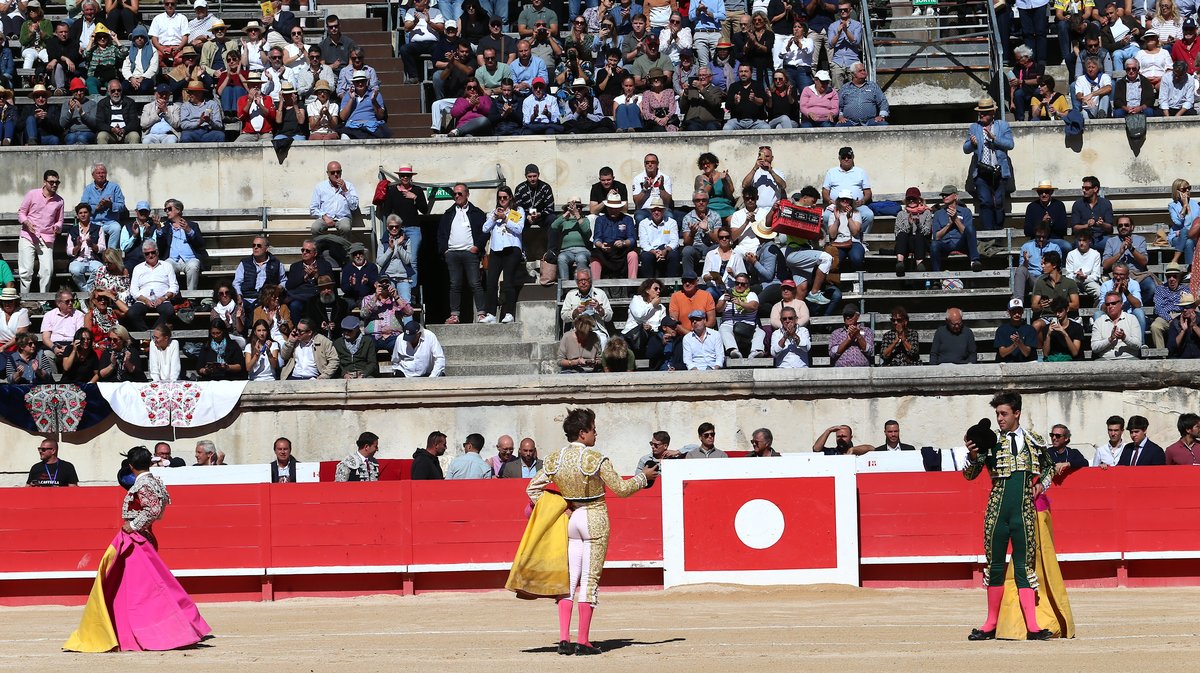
(152, 296)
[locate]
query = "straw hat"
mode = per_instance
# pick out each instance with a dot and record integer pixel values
(986, 104)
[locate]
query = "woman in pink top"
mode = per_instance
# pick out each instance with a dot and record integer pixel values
(819, 103)
(470, 112)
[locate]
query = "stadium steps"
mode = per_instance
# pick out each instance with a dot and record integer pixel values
(488, 350)
(403, 102)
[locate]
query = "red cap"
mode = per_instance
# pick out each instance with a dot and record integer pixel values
(537, 80)
(912, 193)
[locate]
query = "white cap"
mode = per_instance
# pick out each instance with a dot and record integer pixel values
(845, 194)
(823, 75)
(450, 24)
(199, 3)
(1016, 303)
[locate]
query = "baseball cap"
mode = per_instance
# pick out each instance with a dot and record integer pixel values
(846, 152)
(1189, 24)
(1016, 304)
(788, 283)
(142, 205)
(412, 329)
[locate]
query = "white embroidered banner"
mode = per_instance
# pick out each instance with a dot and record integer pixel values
(181, 404)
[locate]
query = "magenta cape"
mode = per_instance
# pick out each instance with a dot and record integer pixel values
(136, 603)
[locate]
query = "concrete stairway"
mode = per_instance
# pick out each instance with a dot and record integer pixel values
(493, 350)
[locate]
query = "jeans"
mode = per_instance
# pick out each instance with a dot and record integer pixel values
(868, 122)
(577, 256)
(496, 9)
(808, 124)
(692, 255)
(160, 139)
(651, 266)
(463, 266)
(451, 9)
(1004, 21)
(989, 207)
(33, 136)
(783, 122)
(1034, 23)
(955, 241)
(575, 8)
(79, 138)
(199, 136)
(1179, 240)
(852, 258)
(229, 98)
(27, 257)
(83, 271)
(745, 125)
(8, 128)
(508, 261)
(112, 232)
(1119, 56)
(413, 234)
(628, 116)
(799, 77)
(1021, 103)
(698, 125)
(1064, 45)
(1119, 113)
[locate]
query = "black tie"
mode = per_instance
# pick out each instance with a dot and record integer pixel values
(1012, 443)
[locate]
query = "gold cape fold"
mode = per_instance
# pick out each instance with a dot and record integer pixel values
(540, 567)
(1053, 607)
(96, 632)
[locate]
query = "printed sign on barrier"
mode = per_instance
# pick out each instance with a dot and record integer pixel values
(787, 520)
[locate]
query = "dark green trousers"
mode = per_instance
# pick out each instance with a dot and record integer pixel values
(1011, 518)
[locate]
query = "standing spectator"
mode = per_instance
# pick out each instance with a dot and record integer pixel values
(845, 43)
(799, 52)
(1063, 338)
(470, 465)
(526, 465)
(50, 470)
(84, 247)
(1185, 451)
(333, 203)
(425, 465)
(360, 465)
(988, 142)
(706, 17)
(1155, 61)
(852, 344)
(169, 33)
(1016, 340)
(1115, 334)
(1183, 334)
(418, 354)
(901, 345)
(357, 352)
(952, 231)
(1140, 450)
(953, 343)
(505, 226)
(461, 241)
(861, 102)
(707, 446)
(335, 47)
(843, 438)
(308, 355)
(41, 218)
(1184, 211)
(504, 454)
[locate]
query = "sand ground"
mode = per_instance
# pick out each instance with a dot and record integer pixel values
(695, 629)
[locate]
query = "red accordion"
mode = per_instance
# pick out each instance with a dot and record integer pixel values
(796, 220)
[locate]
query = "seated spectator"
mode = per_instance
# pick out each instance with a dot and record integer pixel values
(540, 113)
(418, 354)
(701, 348)
(914, 226)
(359, 276)
(852, 344)
(618, 356)
(160, 121)
(62, 51)
(614, 239)
(643, 331)
(201, 119)
(213, 52)
(14, 320)
(41, 121)
(220, 359)
(658, 239)
(491, 71)
(1129, 291)
(687, 300)
(335, 47)
(586, 113)
(360, 465)
(843, 437)
(27, 364)
(579, 349)
(308, 74)
(1185, 451)
(1183, 335)
(1016, 340)
(278, 316)
(525, 466)
(1065, 458)
(363, 114)
(324, 309)
(953, 343)
(1155, 61)
(163, 457)
(1115, 334)
(261, 353)
(1134, 93)
(789, 298)
(659, 112)
(169, 33)
(1167, 298)
(471, 112)
(345, 79)
(953, 231)
(1129, 248)
(256, 112)
(526, 68)
(80, 364)
(189, 69)
(1049, 211)
(806, 260)
(1177, 92)
(860, 102)
(891, 438)
(1063, 337)
(1084, 267)
(536, 197)
(1092, 213)
(702, 222)
(738, 308)
(722, 263)
(453, 71)
(232, 84)
(225, 305)
(116, 118)
(844, 229)
(152, 286)
(1184, 210)
(745, 101)
(1052, 283)
(77, 118)
(357, 353)
(8, 117)
(790, 343)
(85, 245)
(1023, 86)
(291, 122)
(1030, 269)
(701, 103)
(819, 103)
(102, 317)
(1093, 89)
(707, 447)
(507, 113)
(164, 355)
(782, 103)
(1048, 104)
(60, 324)
(587, 300)
(686, 70)
(422, 27)
(323, 115)
(122, 359)
(385, 312)
(35, 32)
(901, 345)
(650, 59)
(544, 44)
(1140, 450)
(308, 355)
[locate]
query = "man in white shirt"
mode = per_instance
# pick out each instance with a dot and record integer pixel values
(583, 298)
(1084, 266)
(153, 286)
(770, 183)
(648, 184)
(658, 238)
(702, 349)
(422, 27)
(790, 344)
(1116, 334)
(169, 33)
(419, 354)
(333, 203)
(848, 176)
(1108, 455)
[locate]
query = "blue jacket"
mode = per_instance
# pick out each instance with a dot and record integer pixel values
(1002, 144)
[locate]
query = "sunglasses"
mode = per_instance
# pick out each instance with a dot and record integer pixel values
(708, 434)
(460, 193)
(1057, 435)
(334, 172)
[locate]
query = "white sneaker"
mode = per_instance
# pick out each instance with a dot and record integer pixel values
(508, 318)
(817, 298)
(757, 354)
(488, 319)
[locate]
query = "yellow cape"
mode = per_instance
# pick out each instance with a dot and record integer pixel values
(540, 567)
(96, 632)
(1053, 607)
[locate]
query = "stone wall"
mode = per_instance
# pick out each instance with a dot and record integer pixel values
(241, 176)
(933, 404)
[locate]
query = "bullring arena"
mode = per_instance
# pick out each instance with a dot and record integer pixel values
(365, 577)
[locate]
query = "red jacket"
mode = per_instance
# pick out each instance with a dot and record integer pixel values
(267, 111)
(1181, 52)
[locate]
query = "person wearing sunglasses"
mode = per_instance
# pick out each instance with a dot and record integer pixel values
(707, 448)
(41, 218)
(50, 470)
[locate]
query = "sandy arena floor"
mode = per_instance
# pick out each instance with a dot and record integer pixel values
(702, 629)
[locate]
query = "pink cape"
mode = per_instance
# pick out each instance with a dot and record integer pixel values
(136, 599)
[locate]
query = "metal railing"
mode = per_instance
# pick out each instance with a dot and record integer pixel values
(963, 23)
(868, 56)
(996, 57)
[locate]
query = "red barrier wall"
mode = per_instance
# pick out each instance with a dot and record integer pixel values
(324, 538)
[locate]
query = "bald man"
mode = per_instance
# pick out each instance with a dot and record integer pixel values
(953, 343)
(526, 465)
(504, 454)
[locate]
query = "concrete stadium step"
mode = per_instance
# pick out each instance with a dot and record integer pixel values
(490, 351)
(491, 369)
(470, 333)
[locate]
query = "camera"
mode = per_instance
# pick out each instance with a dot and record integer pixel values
(572, 55)
(653, 464)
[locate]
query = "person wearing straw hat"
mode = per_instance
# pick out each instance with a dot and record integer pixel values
(615, 238)
(256, 112)
(169, 33)
(290, 120)
(200, 117)
(988, 142)
(1168, 301)
(212, 52)
(160, 119)
(363, 115)
(8, 117)
(1051, 212)
(253, 47)
(1183, 338)
(41, 119)
(322, 113)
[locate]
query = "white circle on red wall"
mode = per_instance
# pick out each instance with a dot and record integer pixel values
(759, 524)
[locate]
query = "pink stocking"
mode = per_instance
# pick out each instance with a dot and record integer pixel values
(564, 618)
(585, 622)
(1029, 609)
(994, 596)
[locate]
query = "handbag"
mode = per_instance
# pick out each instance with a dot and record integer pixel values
(380, 192)
(1135, 126)
(548, 269)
